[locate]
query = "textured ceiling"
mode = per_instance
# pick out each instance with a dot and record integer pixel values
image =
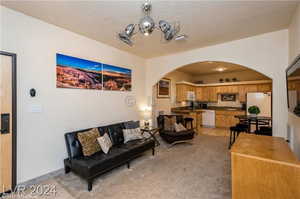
(206, 22)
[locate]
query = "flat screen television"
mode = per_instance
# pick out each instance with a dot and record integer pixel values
(293, 86)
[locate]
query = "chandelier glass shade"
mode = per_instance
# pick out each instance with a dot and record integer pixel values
(147, 25)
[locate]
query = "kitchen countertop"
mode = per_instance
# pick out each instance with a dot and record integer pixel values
(187, 110)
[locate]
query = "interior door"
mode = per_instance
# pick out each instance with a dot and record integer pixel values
(7, 111)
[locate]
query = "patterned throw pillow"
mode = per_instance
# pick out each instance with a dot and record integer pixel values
(169, 123)
(88, 141)
(179, 127)
(105, 143)
(132, 134)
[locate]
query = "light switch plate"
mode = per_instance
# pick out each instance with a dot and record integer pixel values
(35, 108)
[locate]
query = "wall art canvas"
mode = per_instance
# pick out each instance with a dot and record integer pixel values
(72, 72)
(164, 88)
(116, 78)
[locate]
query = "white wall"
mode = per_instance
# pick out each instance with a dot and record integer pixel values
(267, 54)
(294, 44)
(41, 146)
(294, 35)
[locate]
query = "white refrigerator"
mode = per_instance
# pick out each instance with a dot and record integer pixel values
(262, 100)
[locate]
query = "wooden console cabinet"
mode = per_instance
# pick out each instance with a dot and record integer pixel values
(264, 167)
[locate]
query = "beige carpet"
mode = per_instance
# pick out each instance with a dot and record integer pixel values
(201, 170)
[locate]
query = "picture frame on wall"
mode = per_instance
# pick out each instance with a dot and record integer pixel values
(164, 88)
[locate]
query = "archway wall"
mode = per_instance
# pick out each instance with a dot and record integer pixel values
(266, 53)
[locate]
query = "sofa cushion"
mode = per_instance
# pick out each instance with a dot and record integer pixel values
(115, 132)
(169, 122)
(89, 141)
(95, 164)
(135, 147)
(132, 134)
(105, 143)
(132, 124)
(179, 127)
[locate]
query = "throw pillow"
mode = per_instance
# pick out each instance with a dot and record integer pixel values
(88, 141)
(132, 134)
(132, 124)
(179, 127)
(105, 143)
(169, 123)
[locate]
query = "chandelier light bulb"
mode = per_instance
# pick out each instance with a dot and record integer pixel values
(146, 25)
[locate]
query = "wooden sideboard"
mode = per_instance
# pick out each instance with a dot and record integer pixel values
(264, 167)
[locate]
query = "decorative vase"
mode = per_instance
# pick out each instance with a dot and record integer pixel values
(253, 115)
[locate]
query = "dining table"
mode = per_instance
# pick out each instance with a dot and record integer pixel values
(257, 120)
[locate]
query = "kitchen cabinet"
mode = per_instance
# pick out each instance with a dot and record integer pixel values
(227, 89)
(244, 89)
(182, 90)
(199, 121)
(210, 93)
(213, 95)
(199, 94)
(207, 94)
(264, 87)
(226, 119)
(242, 93)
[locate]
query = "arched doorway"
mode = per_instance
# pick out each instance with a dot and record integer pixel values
(216, 80)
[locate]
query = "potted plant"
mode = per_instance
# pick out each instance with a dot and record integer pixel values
(253, 110)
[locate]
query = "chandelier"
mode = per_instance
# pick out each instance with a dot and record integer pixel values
(147, 25)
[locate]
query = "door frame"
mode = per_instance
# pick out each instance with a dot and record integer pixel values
(14, 116)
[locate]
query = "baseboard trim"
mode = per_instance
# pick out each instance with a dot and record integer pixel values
(42, 178)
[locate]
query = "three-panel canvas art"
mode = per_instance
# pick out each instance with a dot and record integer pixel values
(73, 72)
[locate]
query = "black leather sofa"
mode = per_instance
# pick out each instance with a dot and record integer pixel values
(173, 137)
(91, 167)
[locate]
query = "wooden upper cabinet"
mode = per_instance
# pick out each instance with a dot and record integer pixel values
(242, 93)
(182, 90)
(264, 87)
(227, 89)
(199, 94)
(244, 89)
(250, 88)
(210, 93)
(213, 95)
(206, 93)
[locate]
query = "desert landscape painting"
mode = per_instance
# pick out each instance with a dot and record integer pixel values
(116, 78)
(72, 72)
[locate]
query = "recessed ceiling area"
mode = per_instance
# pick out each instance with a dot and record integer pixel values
(211, 67)
(205, 22)
(209, 72)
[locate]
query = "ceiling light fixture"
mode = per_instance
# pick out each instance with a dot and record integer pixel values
(147, 25)
(220, 69)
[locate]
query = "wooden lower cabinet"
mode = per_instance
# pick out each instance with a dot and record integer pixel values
(199, 121)
(226, 119)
